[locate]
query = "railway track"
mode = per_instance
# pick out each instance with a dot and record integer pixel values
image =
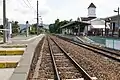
(54, 63)
(107, 53)
(65, 67)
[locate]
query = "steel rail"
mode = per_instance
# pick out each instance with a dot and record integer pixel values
(105, 50)
(93, 49)
(97, 51)
(85, 75)
(57, 77)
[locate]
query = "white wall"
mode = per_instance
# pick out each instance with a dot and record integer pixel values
(92, 12)
(63, 31)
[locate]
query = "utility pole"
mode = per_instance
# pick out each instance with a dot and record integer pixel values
(4, 21)
(37, 18)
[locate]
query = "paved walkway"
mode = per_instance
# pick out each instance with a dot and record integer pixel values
(5, 73)
(21, 39)
(10, 58)
(22, 70)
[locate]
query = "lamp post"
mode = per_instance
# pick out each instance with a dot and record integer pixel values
(118, 21)
(105, 27)
(106, 30)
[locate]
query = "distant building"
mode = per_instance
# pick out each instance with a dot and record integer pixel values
(90, 25)
(91, 13)
(23, 28)
(113, 20)
(46, 26)
(97, 26)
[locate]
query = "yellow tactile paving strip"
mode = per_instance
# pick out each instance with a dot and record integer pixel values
(12, 51)
(14, 46)
(9, 61)
(8, 64)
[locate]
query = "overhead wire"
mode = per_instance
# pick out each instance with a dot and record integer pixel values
(29, 6)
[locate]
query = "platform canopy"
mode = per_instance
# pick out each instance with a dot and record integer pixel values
(100, 26)
(113, 18)
(75, 23)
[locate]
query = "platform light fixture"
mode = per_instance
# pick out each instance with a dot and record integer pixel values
(118, 21)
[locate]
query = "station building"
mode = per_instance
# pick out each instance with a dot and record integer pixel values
(90, 25)
(114, 25)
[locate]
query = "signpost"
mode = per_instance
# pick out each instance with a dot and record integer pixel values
(27, 28)
(9, 31)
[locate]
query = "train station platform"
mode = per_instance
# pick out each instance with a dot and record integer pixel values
(109, 42)
(14, 52)
(101, 41)
(5, 73)
(9, 61)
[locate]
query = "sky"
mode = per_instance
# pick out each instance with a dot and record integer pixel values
(50, 10)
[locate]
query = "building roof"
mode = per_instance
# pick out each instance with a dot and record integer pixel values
(113, 18)
(87, 18)
(75, 22)
(97, 21)
(92, 5)
(100, 26)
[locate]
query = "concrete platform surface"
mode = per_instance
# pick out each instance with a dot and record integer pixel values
(20, 40)
(6, 73)
(22, 70)
(10, 49)
(14, 46)
(70, 79)
(23, 37)
(24, 40)
(15, 58)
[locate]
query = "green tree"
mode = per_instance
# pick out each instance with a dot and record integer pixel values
(33, 29)
(55, 27)
(51, 28)
(15, 27)
(1, 32)
(1, 26)
(71, 20)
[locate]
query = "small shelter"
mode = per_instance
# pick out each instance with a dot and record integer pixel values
(114, 22)
(74, 28)
(98, 27)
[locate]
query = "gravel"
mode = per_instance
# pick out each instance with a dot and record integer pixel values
(95, 64)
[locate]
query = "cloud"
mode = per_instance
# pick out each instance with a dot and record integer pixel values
(44, 10)
(53, 9)
(67, 9)
(18, 10)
